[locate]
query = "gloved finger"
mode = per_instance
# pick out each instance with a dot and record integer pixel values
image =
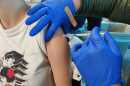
(111, 43)
(91, 45)
(34, 9)
(76, 47)
(96, 37)
(36, 16)
(40, 25)
(86, 42)
(51, 31)
(74, 51)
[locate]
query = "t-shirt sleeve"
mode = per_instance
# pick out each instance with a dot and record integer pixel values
(40, 38)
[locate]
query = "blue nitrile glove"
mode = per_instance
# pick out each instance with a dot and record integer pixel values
(98, 60)
(129, 47)
(50, 12)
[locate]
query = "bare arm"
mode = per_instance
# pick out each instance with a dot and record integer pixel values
(58, 55)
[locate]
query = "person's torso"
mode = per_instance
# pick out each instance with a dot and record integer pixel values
(23, 60)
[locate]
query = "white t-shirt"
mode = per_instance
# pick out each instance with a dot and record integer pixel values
(23, 60)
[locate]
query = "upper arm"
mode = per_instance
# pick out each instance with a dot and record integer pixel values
(58, 55)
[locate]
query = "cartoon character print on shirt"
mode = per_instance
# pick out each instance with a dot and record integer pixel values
(12, 69)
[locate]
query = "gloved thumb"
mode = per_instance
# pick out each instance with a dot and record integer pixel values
(76, 47)
(74, 50)
(111, 43)
(34, 9)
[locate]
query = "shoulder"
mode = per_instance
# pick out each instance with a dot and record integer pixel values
(39, 37)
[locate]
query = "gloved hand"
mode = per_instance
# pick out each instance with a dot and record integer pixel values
(98, 60)
(129, 47)
(50, 12)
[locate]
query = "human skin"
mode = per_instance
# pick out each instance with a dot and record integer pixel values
(58, 55)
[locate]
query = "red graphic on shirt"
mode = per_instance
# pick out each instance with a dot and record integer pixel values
(10, 73)
(12, 64)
